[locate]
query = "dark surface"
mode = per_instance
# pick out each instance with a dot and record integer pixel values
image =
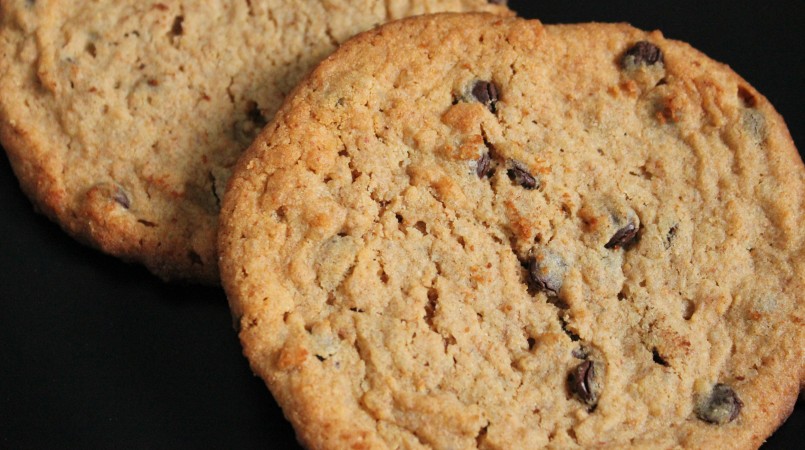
(96, 353)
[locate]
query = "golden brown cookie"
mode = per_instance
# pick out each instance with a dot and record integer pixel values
(465, 231)
(122, 119)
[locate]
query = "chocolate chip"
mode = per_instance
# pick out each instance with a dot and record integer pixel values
(487, 93)
(255, 115)
(483, 166)
(520, 175)
(248, 127)
(546, 271)
(642, 53)
(178, 28)
(121, 198)
(657, 358)
(669, 238)
(91, 49)
(583, 384)
(480, 438)
(722, 406)
(623, 236)
(542, 279)
(498, 2)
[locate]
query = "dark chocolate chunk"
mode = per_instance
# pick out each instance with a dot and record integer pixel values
(483, 167)
(246, 128)
(542, 279)
(642, 53)
(546, 271)
(255, 115)
(91, 49)
(623, 236)
(481, 436)
(722, 406)
(121, 198)
(583, 384)
(669, 238)
(178, 28)
(657, 358)
(487, 93)
(520, 175)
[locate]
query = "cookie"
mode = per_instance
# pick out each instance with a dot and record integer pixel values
(465, 231)
(122, 119)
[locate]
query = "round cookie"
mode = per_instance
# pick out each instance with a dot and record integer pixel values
(122, 119)
(466, 231)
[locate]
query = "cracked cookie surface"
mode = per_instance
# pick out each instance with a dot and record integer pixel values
(463, 231)
(122, 119)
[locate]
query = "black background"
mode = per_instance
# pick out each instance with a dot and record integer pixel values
(95, 353)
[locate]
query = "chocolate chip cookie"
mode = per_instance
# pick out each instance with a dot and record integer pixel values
(122, 119)
(466, 231)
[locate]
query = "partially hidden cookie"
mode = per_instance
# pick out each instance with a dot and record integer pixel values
(122, 119)
(464, 231)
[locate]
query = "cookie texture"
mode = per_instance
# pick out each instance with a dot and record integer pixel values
(122, 119)
(465, 231)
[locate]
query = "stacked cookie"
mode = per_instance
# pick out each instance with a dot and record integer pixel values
(123, 119)
(458, 231)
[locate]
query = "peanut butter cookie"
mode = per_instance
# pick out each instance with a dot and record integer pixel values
(466, 231)
(122, 119)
